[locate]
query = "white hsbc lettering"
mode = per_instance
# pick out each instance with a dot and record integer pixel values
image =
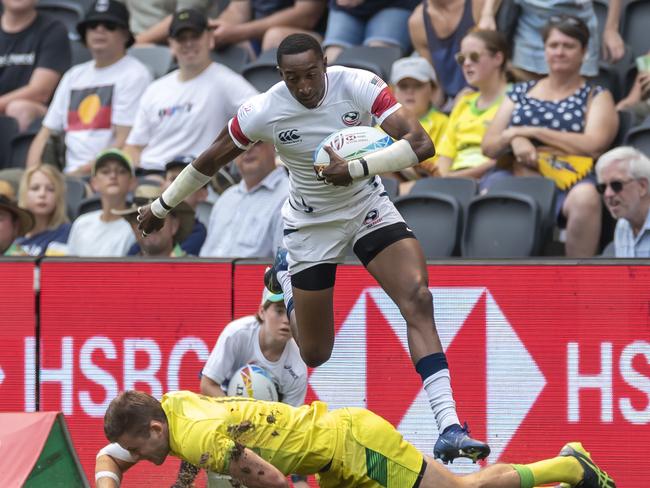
(92, 403)
(602, 381)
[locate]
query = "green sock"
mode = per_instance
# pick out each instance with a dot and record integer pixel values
(525, 475)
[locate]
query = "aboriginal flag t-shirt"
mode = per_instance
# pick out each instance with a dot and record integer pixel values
(90, 101)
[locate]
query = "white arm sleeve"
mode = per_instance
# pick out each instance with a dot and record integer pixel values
(116, 451)
(395, 157)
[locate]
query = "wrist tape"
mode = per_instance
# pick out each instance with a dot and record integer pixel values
(395, 157)
(187, 182)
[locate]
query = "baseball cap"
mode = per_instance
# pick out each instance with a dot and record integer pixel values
(188, 18)
(268, 296)
(113, 154)
(23, 216)
(179, 162)
(107, 11)
(417, 68)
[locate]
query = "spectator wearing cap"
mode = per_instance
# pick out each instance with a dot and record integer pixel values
(95, 103)
(246, 220)
(482, 58)
(416, 88)
(192, 241)
(624, 182)
(15, 221)
(166, 241)
(180, 112)
(101, 233)
(35, 54)
(42, 192)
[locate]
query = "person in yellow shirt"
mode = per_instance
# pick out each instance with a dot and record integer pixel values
(415, 86)
(259, 443)
(482, 58)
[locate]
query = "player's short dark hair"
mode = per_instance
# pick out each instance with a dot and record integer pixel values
(298, 43)
(132, 412)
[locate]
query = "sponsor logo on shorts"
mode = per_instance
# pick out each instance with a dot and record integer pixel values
(289, 136)
(351, 118)
(372, 218)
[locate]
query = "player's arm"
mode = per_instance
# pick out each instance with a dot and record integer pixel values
(255, 472)
(210, 387)
(402, 125)
(193, 177)
(111, 463)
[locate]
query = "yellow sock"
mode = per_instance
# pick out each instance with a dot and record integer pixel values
(558, 469)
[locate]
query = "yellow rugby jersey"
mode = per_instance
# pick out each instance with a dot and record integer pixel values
(206, 431)
(462, 139)
(434, 123)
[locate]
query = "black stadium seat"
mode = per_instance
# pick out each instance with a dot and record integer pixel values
(503, 225)
(69, 12)
(435, 219)
(8, 130)
(234, 57)
(636, 26)
(391, 185)
(263, 72)
(376, 59)
(463, 189)
(639, 137)
(157, 58)
(74, 195)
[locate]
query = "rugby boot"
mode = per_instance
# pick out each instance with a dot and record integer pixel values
(455, 442)
(593, 477)
(270, 274)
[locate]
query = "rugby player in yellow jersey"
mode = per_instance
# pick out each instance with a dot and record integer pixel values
(260, 443)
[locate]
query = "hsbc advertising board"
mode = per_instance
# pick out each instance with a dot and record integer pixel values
(539, 355)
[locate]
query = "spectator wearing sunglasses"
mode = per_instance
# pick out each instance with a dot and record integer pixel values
(560, 115)
(533, 15)
(483, 58)
(96, 102)
(624, 182)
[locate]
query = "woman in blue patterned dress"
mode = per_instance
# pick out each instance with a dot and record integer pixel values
(561, 114)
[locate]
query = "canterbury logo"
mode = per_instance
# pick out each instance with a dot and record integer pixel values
(290, 135)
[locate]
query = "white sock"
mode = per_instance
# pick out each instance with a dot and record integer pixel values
(441, 399)
(284, 278)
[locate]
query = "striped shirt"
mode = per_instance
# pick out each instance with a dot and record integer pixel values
(627, 245)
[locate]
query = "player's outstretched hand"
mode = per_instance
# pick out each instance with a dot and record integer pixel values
(147, 221)
(336, 173)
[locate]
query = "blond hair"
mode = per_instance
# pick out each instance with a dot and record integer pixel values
(59, 215)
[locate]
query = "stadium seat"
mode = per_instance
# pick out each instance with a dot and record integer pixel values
(391, 185)
(503, 225)
(80, 53)
(8, 130)
(74, 195)
(435, 219)
(639, 137)
(376, 59)
(542, 190)
(89, 204)
(21, 142)
(69, 12)
(263, 72)
(635, 26)
(157, 58)
(626, 120)
(609, 77)
(234, 57)
(463, 189)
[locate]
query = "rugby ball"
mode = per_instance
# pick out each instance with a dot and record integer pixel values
(253, 381)
(351, 143)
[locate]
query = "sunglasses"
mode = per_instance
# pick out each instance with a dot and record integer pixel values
(107, 24)
(616, 186)
(473, 56)
(564, 19)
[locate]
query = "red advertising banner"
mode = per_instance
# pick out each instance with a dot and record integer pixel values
(111, 326)
(539, 356)
(17, 329)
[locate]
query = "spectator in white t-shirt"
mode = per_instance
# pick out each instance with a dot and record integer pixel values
(180, 112)
(101, 233)
(95, 102)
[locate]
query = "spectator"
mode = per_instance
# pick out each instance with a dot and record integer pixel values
(367, 22)
(416, 88)
(246, 221)
(95, 103)
(166, 241)
(42, 192)
(35, 54)
(14, 222)
(638, 100)
(150, 20)
(624, 181)
(192, 242)
(483, 58)
(534, 15)
(102, 233)
(180, 112)
(436, 28)
(563, 115)
(265, 23)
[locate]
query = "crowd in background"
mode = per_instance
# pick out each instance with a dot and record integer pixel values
(501, 87)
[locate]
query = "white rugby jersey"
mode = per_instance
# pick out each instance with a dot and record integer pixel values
(239, 344)
(352, 97)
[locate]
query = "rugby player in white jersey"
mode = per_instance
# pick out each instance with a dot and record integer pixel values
(345, 204)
